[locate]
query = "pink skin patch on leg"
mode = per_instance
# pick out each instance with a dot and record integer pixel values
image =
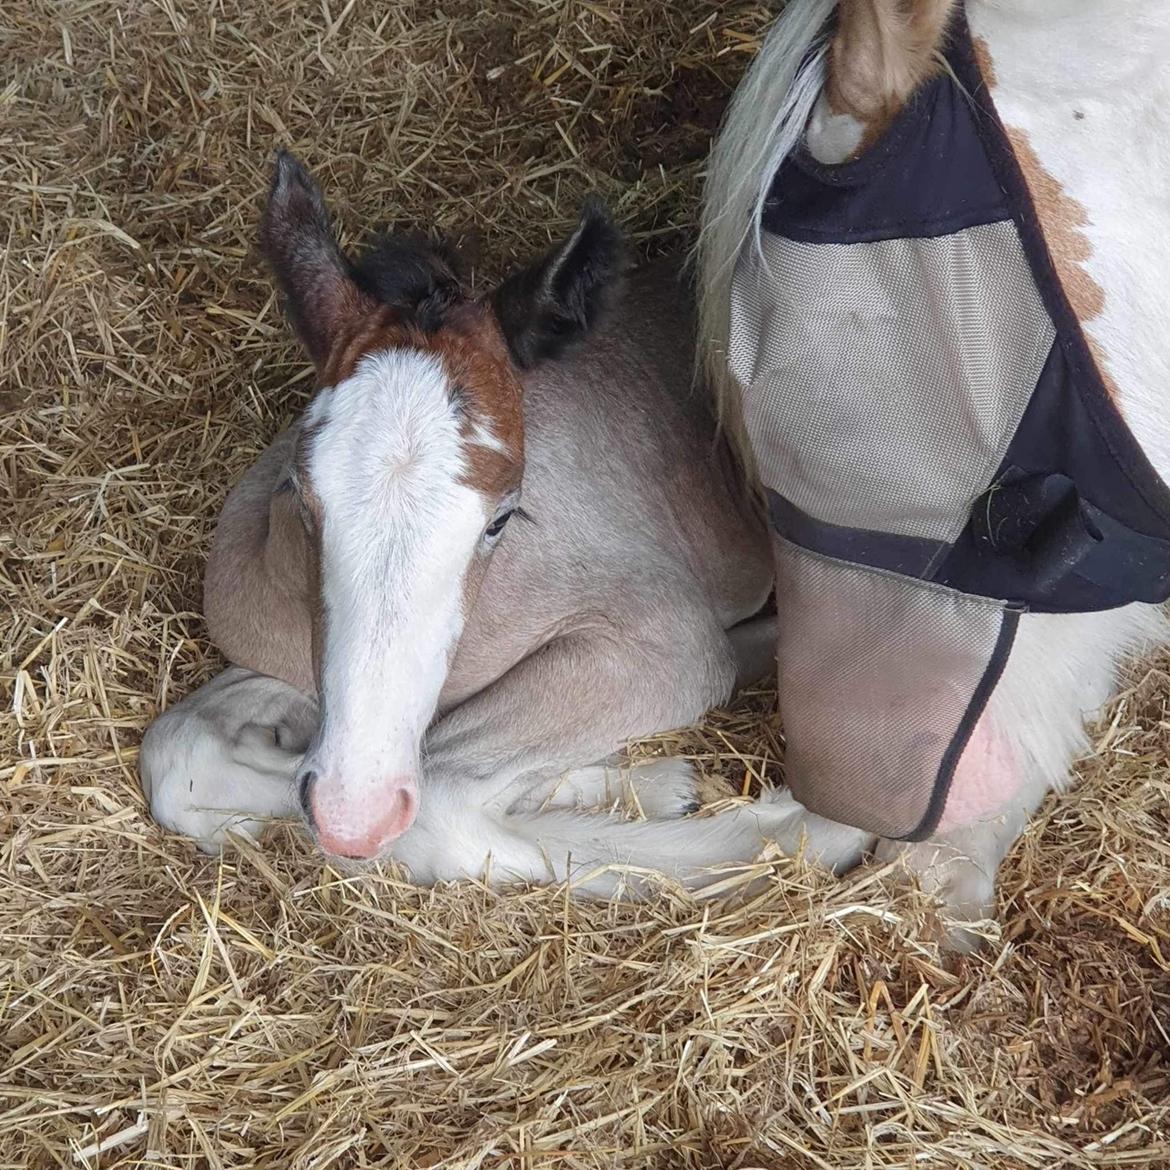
(985, 780)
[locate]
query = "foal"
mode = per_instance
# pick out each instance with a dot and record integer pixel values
(501, 541)
(933, 268)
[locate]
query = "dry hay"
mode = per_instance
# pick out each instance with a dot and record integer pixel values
(161, 1010)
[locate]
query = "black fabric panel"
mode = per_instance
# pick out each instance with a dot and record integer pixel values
(927, 177)
(911, 556)
(1062, 529)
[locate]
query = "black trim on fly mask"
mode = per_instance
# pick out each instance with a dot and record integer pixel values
(992, 673)
(896, 189)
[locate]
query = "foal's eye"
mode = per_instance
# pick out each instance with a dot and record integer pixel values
(497, 525)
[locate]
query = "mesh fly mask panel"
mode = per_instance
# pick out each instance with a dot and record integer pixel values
(938, 448)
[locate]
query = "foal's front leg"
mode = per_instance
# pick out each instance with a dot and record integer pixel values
(564, 710)
(573, 703)
(225, 758)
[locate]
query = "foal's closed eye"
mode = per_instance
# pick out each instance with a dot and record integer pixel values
(497, 525)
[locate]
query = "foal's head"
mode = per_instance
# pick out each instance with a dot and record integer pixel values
(408, 467)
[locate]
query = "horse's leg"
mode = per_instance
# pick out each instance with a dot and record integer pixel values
(663, 787)
(574, 701)
(655, 788)
(225, 758)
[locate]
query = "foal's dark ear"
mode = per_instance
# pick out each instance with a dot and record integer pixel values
(313, 272)
(413, 275)
(552, 303)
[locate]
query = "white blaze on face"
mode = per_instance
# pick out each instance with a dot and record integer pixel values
(398, 530)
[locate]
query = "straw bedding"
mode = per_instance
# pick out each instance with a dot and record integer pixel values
(159, 1009)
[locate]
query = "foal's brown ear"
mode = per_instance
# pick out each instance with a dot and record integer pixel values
(314, 274)
(550, 304)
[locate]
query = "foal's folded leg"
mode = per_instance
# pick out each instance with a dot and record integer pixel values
(225, 758)
(571, 704)
(574, 701)
(656, 788)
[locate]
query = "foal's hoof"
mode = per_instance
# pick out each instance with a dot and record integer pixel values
(205, 787)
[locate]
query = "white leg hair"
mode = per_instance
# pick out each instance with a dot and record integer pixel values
(604, 856)
(505, 741)
(225, 758)
(654, 789)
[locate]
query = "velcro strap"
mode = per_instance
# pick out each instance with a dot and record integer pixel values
(1043, 518)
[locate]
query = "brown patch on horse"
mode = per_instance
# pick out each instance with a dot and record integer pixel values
(377, 328)
(1062, 219)
(984, 61)
(473, 352)
(476, 357)
(882, 51)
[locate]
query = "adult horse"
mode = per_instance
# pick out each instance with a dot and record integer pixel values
(933, 261)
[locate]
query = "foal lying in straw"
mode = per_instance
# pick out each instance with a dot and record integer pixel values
(501, 541)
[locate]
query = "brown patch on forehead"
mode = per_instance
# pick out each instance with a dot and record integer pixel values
(476, 358)
(372, 332)
(473, 352)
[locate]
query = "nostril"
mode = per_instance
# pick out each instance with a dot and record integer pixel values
(359, 829)
(304, 792)
(406, 807)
